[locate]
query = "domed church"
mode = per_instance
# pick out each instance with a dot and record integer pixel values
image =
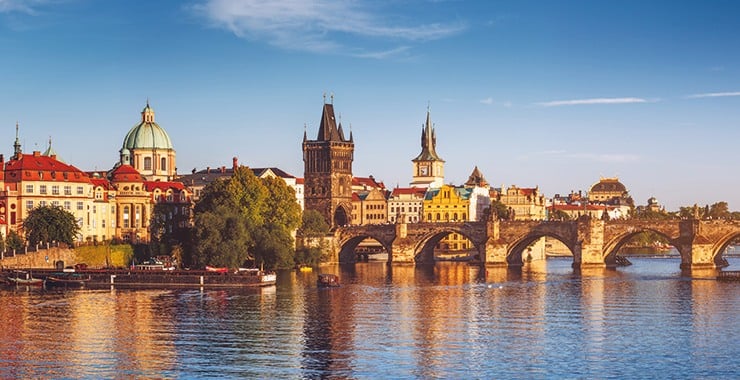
(148, 149)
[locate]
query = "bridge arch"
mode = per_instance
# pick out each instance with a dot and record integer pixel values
(348, 245)
(424, 248)
(515, 253)
(616, 242)
(720, 246)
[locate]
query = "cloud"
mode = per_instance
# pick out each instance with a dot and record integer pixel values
(487, 101)
(714, 95)
(314, 25)
(383, 54)
(23, 6)
(577, 102)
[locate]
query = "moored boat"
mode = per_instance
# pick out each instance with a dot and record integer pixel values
(66, 280)
(327, 280)
(20, 277)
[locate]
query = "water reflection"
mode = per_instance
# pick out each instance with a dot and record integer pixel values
(451, 320)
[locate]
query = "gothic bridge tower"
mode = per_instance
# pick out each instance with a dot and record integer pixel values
(328, 170)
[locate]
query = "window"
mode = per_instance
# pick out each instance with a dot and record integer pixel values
(163, 164)
(42, 203)
(67, 205)
(147, 163)
(55, 203)
(29, 205)
(67, 190)
(80, 191)
(42, 189)
(54, 190)
(29, 189)
(126, 217)
(80, 206)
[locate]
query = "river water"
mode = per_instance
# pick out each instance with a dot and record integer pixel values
(449, 321)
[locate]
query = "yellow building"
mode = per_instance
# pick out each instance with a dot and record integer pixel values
(369, 207)
(448, 204)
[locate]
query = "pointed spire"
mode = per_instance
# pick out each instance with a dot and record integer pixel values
(17, 145)
(476, 179)
(305, 136)
(350, 133)
(328, 130)
(428, 141)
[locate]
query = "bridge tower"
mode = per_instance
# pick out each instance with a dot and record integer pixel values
(328, 170)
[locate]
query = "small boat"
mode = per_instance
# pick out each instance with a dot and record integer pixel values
(66, 280)
(217, 269)
(327, 280)
(304, 268)
(20, 277)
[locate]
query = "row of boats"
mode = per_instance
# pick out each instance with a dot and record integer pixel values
(51, 280)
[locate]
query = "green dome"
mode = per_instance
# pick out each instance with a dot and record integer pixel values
(147, 134)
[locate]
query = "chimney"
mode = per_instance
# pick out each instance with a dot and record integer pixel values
(223, 169)
(208, 170)
(235, 162)
(36, 153)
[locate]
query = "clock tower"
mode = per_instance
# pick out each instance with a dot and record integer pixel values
(429, 169)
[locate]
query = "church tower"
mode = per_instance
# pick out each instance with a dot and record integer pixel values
(429, 169)
(328, 170)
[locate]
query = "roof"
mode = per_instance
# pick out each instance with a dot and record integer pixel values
(147, 134)
(419, 191)
(462, 192)
(608, 185)
(367, 182)
(100, 182)
(572, 207)
(476, 179)
(328, 130)
(428, 142)
(36, 167)
(125, 173)
(163, 186)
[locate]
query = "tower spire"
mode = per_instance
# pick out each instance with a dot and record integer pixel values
(17, 144)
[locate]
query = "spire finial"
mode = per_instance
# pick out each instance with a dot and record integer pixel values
(332, 98)
(324, 97)
(147, 101)
(429, 106)
(49, 141)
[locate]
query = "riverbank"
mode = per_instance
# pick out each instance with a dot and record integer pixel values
(130, 278)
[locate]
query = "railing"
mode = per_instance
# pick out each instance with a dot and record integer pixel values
(729, 275)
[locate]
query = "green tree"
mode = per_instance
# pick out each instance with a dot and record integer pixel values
(311, 248)
(243, 219)
(559, 215)
(50, 223)
(719, 210)
(281, 215)
(501, 210)
(14, 241)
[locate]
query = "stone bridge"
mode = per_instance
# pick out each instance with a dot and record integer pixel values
(593, 242)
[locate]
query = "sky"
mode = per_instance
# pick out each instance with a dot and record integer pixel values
(553, 94)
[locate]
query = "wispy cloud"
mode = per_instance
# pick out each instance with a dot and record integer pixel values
(23, 6)
(577, 102)
(487, 101)
(315, 25)
(399, 51)
(713, 95)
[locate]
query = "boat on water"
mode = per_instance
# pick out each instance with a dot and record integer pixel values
(327, 280)
(66, 280)
(304, 268)
(21, 277)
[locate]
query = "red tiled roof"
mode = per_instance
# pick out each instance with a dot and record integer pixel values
(299, 181)
(35, 167)
(566, 207)
(163, 186)
(126, 173)
(367, 181)
(102, 182)
(410, 190)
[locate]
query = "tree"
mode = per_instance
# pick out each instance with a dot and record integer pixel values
(501, 210)
(559, 215)
(281, 215)
(311, 249)
(244, 219)
(14, 241)
(719, 210)
(50, 223)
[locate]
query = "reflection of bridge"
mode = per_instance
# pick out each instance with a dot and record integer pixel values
(593, 242)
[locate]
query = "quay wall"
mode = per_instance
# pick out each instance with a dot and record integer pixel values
(43, 258)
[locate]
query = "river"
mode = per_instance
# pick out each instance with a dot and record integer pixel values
(449, 321)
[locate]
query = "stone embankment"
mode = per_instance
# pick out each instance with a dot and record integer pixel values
(43, 258)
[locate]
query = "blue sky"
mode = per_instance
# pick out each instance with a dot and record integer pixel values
(552, 94)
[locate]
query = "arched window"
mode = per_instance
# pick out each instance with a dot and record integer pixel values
(454, 216)
(163, 164)
(147, 163)
(439, 216)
